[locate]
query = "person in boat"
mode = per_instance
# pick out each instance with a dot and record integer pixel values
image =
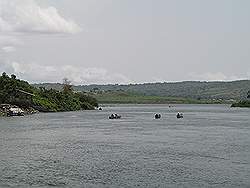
(179, 115)
(157, 116)
(112, 116)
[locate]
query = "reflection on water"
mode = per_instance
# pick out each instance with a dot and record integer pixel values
(210, 147)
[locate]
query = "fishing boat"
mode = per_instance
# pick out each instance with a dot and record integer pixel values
(115, 116)
(157, 116)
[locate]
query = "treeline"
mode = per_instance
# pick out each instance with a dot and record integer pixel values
(21, 93)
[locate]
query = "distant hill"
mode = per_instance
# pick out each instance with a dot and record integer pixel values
(236, 90)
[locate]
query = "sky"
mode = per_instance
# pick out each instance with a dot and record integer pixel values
(125, 41)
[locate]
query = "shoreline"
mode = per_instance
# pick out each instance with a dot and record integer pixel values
(5, 110)
(31, 110)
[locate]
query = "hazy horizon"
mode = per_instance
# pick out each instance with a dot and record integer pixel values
(168, 82)
(123, 42)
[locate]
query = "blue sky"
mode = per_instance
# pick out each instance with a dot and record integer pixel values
(129, 41)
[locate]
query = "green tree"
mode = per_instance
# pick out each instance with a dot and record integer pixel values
(17, 92)
(13, 76)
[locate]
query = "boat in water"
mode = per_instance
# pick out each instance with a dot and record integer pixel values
(179, 115)
(157, 116)
(115, 116)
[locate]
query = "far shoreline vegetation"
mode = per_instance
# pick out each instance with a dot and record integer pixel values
(186, 92)
(121, 97)
(243, 103)
(19, 93)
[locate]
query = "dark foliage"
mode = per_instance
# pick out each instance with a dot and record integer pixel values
(9, 93)
(17, 92)
(242, 104)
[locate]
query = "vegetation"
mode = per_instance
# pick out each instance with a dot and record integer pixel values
(133, 98)
(9, 93)
(21, 93)
(194, 90)
(243, 103)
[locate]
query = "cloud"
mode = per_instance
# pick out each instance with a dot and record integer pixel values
(248, 74)
(26, 16)
(213, 76)
(78, 75)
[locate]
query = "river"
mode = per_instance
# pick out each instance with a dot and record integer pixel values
(209, 147)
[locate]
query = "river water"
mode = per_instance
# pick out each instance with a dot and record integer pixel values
(210, 147)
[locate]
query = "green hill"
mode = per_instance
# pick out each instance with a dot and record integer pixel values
(235, 90)
(122, 97)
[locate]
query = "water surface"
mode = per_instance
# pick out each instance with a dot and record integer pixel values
(210, 147)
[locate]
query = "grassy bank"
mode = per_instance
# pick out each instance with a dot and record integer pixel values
(132, 98)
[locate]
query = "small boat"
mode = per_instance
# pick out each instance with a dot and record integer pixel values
(179, 115)
(157, 116)
(115, 116)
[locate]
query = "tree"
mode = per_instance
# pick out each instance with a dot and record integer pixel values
(67, 87)
(4, 75)
(13, 76)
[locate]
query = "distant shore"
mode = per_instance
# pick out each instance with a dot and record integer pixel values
(242, 104)
(130, 98)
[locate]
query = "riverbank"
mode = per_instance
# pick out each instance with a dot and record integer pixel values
(242, 104)
(6, 109)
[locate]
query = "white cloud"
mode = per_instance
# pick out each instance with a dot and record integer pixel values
(78, 75)
(23, 17)
(26, 16)
(248, 74)
(157, 79)
(213, 76)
